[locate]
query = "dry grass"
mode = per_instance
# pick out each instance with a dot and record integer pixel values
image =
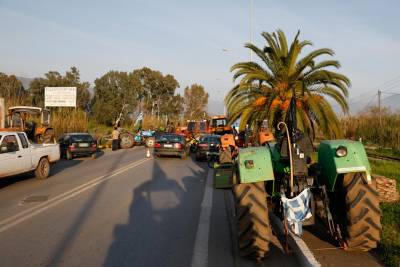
(368, 127)
(67, 121)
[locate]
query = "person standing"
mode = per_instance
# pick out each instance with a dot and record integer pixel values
(115, 139)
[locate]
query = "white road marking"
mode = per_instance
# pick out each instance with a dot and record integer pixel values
(31, 212)
(200, 251)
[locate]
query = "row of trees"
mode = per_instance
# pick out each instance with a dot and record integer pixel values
(116, 93)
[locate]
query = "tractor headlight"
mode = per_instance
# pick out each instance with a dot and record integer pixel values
(341, 151)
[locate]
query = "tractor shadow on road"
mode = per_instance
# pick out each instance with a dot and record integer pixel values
(84, 213)
(163, 218)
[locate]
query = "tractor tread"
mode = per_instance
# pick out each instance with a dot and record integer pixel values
(363, 228)
(252, 222)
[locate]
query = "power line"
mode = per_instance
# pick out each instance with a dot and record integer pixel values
(387, 85)
(389, 81)
(392, 86)
(372, 99)
(390, 93)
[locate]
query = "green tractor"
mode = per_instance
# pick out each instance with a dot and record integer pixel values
(339, 185)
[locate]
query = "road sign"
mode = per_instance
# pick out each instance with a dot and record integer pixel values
(60, 96)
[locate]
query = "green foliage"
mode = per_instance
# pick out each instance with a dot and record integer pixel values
(113, 91)
(54, 79)
(12, 91)
(389, 248)
(264, 90)
(144, 90)
(367, 126)
(196, 100)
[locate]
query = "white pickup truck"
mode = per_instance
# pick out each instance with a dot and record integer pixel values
(18, 155)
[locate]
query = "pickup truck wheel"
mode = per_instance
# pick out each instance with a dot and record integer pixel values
(69, 155)
(43, 169)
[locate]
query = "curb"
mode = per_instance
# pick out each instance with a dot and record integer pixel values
(303, 253)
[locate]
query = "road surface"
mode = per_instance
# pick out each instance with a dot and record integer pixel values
(121, 210)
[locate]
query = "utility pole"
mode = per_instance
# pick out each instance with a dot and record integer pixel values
(379, 107)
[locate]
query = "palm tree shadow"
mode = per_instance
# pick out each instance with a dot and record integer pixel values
(161, 222)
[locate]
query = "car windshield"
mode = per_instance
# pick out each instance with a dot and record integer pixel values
(81, 138)
(219, 122)
(191, 126)
(211, 139)
(214, 139)
(170, 138)
(203, 126)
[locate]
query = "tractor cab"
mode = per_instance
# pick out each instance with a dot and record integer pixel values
(34, 121)
(219, 125)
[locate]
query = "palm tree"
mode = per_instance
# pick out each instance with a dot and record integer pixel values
(266, 89)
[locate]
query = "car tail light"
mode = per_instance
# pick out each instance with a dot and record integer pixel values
(94, 145)
(157, 145)
(178, 145)
(73, 146)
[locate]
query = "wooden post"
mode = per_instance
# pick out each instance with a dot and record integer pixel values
(2, 113)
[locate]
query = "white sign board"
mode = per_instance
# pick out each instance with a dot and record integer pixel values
(60, 96)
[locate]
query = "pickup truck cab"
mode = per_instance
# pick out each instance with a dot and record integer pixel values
(18, 155)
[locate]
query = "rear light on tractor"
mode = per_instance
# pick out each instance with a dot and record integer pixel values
(157, 145)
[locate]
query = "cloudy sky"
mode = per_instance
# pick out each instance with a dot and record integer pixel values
(196, 41)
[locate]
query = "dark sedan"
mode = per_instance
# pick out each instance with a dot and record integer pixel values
(77, 144)
(170, 144)
(208, 144)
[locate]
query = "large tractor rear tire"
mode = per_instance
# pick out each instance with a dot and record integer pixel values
(126, 140)
(362, 227)
(252, 221)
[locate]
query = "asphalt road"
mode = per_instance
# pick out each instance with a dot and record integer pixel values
(121, 210)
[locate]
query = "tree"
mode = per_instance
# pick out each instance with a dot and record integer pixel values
(114, 92)
(173, 108)
(54, 79)
(12, 90)
(266, 89)
(155, 90)
(196, 100)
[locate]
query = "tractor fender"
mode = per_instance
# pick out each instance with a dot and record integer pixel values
(331, 165)
(255, 165)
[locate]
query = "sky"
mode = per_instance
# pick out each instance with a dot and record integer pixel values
(196, 41)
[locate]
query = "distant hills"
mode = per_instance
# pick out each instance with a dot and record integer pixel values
(392, 102)
(25, 81)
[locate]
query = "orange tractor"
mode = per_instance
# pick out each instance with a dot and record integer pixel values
(219, 125)
(26, 119)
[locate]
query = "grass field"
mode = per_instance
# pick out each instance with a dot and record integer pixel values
(389, 247)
